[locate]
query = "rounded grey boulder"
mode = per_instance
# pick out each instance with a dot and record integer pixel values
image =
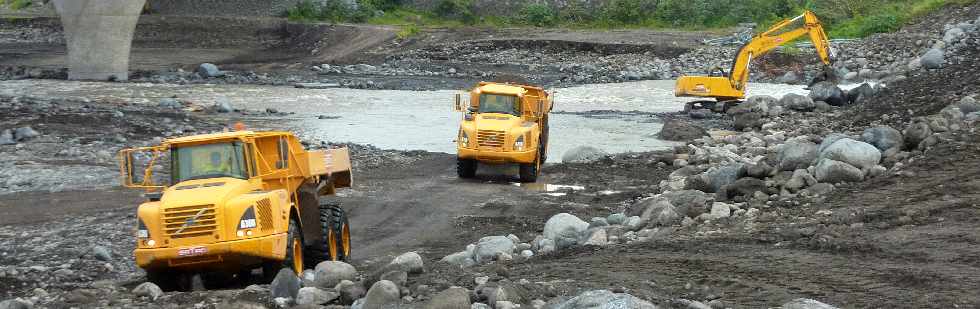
(330, 273)
(828, 92)
(383, 294)
(148, 290)
(858, 154)
(451, 298)
(933, 59)
(565, 229)
(490, 247)
(286, 284)
(797, 102)
(410, 262)
(678, 130)
(831, 171)
(883, 137)
(796, 154)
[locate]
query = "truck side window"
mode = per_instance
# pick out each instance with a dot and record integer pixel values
(283, 154)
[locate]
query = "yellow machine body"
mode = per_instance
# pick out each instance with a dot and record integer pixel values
(727, 86)
(235, 222)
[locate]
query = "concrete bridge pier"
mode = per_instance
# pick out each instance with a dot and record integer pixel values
(99, 34)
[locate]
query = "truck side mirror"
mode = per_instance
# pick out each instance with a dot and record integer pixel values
(459, 102)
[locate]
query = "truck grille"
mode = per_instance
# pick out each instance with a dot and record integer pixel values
(491, 139)
(189, 221)
(265, 214)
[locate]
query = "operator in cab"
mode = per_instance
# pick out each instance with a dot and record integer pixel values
(216, 165)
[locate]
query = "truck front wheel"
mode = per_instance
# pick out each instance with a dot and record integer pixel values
(294, 254)
(466, 168)
(529, 172)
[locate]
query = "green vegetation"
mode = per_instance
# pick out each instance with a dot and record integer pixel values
(16, 4)
(844, 18)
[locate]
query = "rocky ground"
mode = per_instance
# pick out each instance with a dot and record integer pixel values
(854, 199)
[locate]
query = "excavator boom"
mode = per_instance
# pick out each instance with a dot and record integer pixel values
(731, 85)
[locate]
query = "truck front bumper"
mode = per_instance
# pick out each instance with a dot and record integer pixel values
(498, 157)
(227, 254)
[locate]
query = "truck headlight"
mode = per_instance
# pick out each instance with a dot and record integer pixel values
(141, 231)
(247, 222)
(519, 144)
(464, 140)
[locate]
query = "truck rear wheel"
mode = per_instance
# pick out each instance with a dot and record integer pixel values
(335, 228)
(466, 168)
(529, 172)
(294, 254)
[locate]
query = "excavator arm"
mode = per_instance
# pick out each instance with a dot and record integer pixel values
(776, 37)
(732, 87)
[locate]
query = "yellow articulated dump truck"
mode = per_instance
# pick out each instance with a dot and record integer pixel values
(503, 124)
(223, 204)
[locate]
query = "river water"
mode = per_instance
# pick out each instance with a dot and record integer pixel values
(417, 120)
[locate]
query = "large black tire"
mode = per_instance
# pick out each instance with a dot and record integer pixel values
(335, 242)
(529, 171)
(466, 168)
(294, 238)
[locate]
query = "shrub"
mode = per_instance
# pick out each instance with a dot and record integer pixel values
(538, 15)
(628, 11)
(408, 31)
(16, 4)
(456, 9)
(879, 24)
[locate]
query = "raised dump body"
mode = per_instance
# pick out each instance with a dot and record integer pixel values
(504, 123)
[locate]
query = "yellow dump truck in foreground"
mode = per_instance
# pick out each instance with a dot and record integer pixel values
(223, 204)
(503, 124)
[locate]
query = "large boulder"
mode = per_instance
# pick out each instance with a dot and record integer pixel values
(801, 179)
(452, 298)
(16, 303)
(831, 171)
(721, 176)
(349, 292)
(796, 154)
(933, 59)
(223, 105)
(745, 187)
(860, 93)
(583, 154)
(679, 130)
(383, 294)
(490, 247)
(803, 303)
(604, 299)
(565, 229)
(207, 70)
(315, 296)
(410, 262)
(828, 92)
(25, 133)
(286, 284)
(658, 210)
(690, 203)
(752, 120)
(830, 139)
(330, 273)
(7, 137)
(916, 133)
(148, 290)
(968, 105)
(883, 137)
(797, 102)
(859, 154)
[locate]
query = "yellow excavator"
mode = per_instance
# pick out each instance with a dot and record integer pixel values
(730, 86)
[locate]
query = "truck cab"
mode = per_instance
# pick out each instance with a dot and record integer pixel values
(227, 203)
(503, 124)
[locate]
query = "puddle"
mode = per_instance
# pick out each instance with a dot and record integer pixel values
(546, 187)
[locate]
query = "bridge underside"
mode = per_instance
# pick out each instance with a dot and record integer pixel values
(99, 35)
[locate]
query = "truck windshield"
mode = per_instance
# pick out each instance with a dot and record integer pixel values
(503, 104)
(208, 161)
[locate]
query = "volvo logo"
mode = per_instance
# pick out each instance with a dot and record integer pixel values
(191, 222)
